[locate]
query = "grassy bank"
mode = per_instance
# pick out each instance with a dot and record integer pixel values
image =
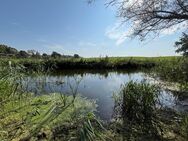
(91, 63)
(24, 116)
(173, 71)
(27, 117)
(139, 115)
(41, 117)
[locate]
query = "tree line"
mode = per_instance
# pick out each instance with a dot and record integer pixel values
(6, 51)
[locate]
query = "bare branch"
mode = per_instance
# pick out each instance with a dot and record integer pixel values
(151, 16)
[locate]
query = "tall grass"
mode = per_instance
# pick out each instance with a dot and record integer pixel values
(91, 63)
(136, 107)
(24, 116)
(175, 70)
(138, 115)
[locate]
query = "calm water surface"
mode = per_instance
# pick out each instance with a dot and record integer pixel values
(99, 86)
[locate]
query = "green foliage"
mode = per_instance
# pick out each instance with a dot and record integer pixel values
(7, 50)
(91, 63)
(185, 126)
(55, 55)
(76, 56)
(22, 54)
(44, 55)
(175, 70)
(90, 132)
(136, 107)
(24, 116)
(182, 45)
(59, 117)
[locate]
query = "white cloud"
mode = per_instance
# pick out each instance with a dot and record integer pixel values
(118, 32)
(179, 27)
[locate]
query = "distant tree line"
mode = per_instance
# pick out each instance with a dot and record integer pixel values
(6, 51)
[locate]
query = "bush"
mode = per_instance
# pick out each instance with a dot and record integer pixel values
(23, 54)
(55, 55)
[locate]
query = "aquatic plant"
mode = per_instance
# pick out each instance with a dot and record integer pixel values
(24, 116)
(91, 129)
(184, 125)
(136, 107)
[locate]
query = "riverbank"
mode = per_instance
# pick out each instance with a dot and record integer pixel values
(90, 63)
(41, 117)
(63, 117)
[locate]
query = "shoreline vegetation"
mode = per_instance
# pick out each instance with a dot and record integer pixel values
(91, 63)
(140, 109)
(27, 117)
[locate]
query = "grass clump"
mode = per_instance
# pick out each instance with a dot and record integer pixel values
(139, 116)
(137, 110)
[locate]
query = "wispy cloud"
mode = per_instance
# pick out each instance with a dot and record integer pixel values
(179, 27)
(118, 33)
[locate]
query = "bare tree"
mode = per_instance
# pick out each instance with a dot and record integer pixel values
(151, 16)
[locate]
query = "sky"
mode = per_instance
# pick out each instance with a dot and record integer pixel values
(74, 27)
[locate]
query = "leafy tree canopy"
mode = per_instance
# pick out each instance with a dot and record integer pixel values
(55, 54)
(23, 54)
(182, 45)
(7, 50)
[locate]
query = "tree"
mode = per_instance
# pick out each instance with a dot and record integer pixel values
(37, 55)
(151, 16)
(7, 50)
(23, 54)
(76, 56)
(55, 55)
(31, 52)
(44, 55)
(182, 45)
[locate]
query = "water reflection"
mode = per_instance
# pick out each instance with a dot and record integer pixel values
(98, 85)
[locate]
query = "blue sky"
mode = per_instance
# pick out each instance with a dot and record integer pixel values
(73, 26)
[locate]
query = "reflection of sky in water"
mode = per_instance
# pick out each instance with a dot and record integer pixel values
(167, 99)
(92, 86)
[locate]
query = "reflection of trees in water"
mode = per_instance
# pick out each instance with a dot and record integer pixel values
(46, 84)
(58, 82)
(74, 85)
(101, 72)
(60, 103)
